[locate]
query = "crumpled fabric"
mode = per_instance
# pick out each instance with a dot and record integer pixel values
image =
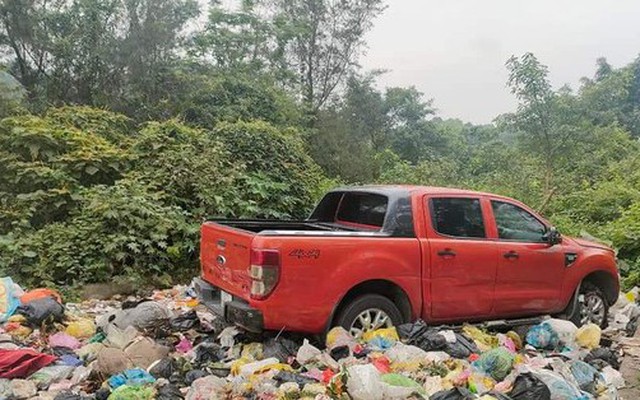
(21, 363)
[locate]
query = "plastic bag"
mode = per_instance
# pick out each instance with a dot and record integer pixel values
(542, 336)
(364, 383)
(389, 334)
(338, 336)
(529, 387)
(81, 329)
(252, 351)
(483, 340)
(8, 300)
(61, 339)
(559, 388)
(286, 376)
(400, 387)
(601, 357)
(457, 393)
(169, 392)
(41, 293)
(585, 375)
(588, 336)
(146, 315)
(613, 378)
(22, 389)
(42, 310)
(497, 363)
(480, 383)
(566, 330)
(307, 352)
(185, 321)
(132, 393)
(52, 374)
(206, 388)
(280, 348)
(131, 377)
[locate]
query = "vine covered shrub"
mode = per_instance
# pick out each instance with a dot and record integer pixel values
(87, 197)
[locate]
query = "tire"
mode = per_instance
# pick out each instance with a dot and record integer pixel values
(348, 318)
(592, 306)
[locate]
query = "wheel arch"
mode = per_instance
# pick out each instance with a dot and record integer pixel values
(606, 282)
(383, 287)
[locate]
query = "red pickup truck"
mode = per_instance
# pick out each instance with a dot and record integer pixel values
(376, 256)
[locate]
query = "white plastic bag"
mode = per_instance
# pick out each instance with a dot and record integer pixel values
(364, 383)
(307, 352)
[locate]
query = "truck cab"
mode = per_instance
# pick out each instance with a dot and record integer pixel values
(376, 256)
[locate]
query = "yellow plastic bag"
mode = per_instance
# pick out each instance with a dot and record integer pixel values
(484, 341)
(385, 333)
(588, 336)
(81, 329)
(252, 351)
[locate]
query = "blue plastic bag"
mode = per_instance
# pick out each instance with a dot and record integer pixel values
(131, 377)
(585, 375)
(8, 300)
(542, 336)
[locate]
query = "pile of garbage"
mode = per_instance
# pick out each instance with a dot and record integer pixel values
(169, 347)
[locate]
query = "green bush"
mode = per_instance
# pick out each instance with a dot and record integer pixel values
(86, 197)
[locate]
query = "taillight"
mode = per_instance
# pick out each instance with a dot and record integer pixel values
(264, 272)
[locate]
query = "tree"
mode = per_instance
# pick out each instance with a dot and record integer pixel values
(529, 81)
(322, 40)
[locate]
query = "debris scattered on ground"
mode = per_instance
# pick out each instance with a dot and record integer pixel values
(169, 347)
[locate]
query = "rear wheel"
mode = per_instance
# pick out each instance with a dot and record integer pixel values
(592, 306)
(367, 313)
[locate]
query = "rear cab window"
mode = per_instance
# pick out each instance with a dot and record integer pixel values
(459, 217)
(360, 210)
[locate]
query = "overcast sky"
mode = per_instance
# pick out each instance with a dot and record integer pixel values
(454, 50)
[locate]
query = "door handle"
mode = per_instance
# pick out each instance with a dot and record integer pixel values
(511, 254)
(446, 253)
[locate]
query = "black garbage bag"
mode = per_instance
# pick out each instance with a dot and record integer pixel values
(457, 393)
(169, 392)
(461, 348)
(164, 368)
(601, 357)
(421, 335)
(339, 352)
(206, 352)
(192, 375)
(282, 348)
(185, 321)
(528, 387)
(103, 393)
(39, 311)
(284, 376)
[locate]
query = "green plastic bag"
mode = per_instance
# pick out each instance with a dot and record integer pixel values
(132, 393)
(402, 381)
(496, 363)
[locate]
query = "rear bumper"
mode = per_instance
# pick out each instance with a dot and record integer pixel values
(237, 311)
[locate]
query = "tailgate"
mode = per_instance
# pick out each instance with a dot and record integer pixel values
(225, 256)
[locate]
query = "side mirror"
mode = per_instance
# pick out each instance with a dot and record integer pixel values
(552, 236)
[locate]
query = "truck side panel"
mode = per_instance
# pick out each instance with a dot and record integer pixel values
(317, 272)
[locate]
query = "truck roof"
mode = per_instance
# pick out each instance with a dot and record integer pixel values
(404, 189)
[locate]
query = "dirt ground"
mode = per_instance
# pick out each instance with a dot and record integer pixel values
(630, 369)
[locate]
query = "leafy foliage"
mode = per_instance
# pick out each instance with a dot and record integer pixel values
(84, 198)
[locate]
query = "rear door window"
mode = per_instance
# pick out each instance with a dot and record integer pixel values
(457, 217)
(363, 209)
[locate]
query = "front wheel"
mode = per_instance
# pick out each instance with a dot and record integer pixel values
(368, 313)
(592, 306)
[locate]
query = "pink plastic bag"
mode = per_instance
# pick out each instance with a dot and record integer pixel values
(61, 339)
(184, 346)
